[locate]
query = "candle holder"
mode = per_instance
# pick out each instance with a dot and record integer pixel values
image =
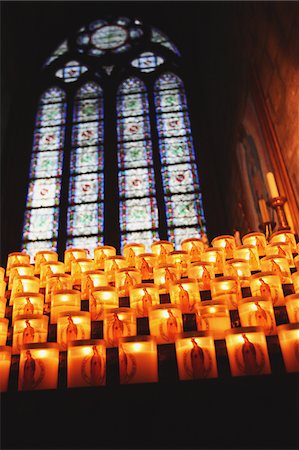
(194, 247)
(131, 251)
(292, 307)
(125, 279)
(162, 249)
(216, 256)
(165, 321)
(257, 239)
(164, 277)
(280, 249)
(181, 260)
(29, 330)
(227, 242)
(72, 254)
(268, 286)
(38, 367)
(16, 258)
(43, 256)
(288, 335)
(119, 322)
(247, 351)
(27, 304)
(196, 356)
(5, 363)
(101, 253)
(277, 204)
(3, 331)
(100, 299)
(80, 266)
(295, 281)
(143, 297)
(72, 326)
(279, 265)
(22, 285)
(213, 316)
(2, 288)
(2, 307)
(257, 311)
(145, 263)
(285, 236)
(57, 282)
(90, 280)
(250, 254)
(203, 272)
(138, 360)
(2, 273)
(64, 300)
(185, 294)
(86, 363)
(47, 269)
(112, 265)
(229, 287)
(238, 268)
(18, 271)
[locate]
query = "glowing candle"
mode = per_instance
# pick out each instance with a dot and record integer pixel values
(257, 311)
(216, 256)
(27, 304)
(145, 263)
(238, 268)
(5, 362)
(119, 322)
(203, 272)
(230, 286)
(295, 281)
(2, 288)
(47, 269)
(64, 300)
(292, 306)
(138, 360)
(256, 239)
(125, 279)
(3, 331)
(196, 356)
(2, 273)
(272, 185)
(2, 307)
(72, 254)
(185, 294)
(288, 336)
(296, 262)
(100, 299)
(72, 326)
(162, 249)
(250, 254)
(23, 285)
(213, 316)
(131, 251)
(80, 266)
(38, 367)
(143, 297)
(264, 211)
(164, 322)
(28, 330)
(101, 253)
(112, 265)
(44, 256)
(90, 280)
(194, 247)
(268, 286)
(226, 242)
(16, 258)
(279, 265)
(86, 363)
(247, 351)
(164, 276)
(280, 249)
(57, 282)
(18, 271)
(181, 260)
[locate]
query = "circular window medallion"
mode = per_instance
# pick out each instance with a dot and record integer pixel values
(109, 37)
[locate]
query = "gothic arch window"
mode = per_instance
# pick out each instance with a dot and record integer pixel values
(112, 117)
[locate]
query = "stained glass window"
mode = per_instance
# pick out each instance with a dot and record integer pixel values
(147, 62)
(41, 216)
(138, 206)
(184, 212)
(160, 38)
(85, 217)
(58, 52)
(71, 71)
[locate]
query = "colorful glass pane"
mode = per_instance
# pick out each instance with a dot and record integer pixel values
(133, 128)
(147, 62)
(160, 38)
(134, 154)
(168, 81)
(52, 95)
(87, 110)
(71, 71)
(32, 247)
(43, 192)
(86, 159)
(176, 149)
(146, 237)
(48, 138)
(183, 209)
(131, 85)
(46, 164)
(85, 219)
(89, 90)
(51, 114)
(86, 188)
(139, 214)
(180, 178)
(109, 37)
(58, 52)
(170, 100)
(88, 242)
(136, 182)
(132, 105)
(41, 223)
(88, 133)
(173, 124)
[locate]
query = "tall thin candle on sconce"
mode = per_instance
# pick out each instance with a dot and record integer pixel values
(277, 202)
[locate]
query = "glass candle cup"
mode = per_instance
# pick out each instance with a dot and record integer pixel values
(228, 286)
(280, 249)
(143, 297)
(90, 280)
(80, 266)
(2, 307)
(131, 251)
(162, 249)
(2, 273)
(48, 269)
(256, 239)
(165, 321)
(268, 286)
(3, 331)
(203, 272)
(278, 265)
(288, 335)
(250, 254)
(284, 236)
(196, 356)
(185, 294)
(125, 279)
(215, 256)
(295, 281)
(257, 312)
(100, 299)
(5, 363)
(43, 256)
(238, 268)
(292, 307)
(2, 288)
(86, 363)
(112, 265)
(145, 263)
(29, 330)
(16, 258)
(27, 304)
(194, 247)
(226, 242)
(213, 316)
(138, 360)
(64, 300)
(101, 253)
(57, 282)
(38, 367)
(164, 276)
(247, 351)
(181, 260)
(72, 326)
(18, 271)
(119, 322)
(72, 254)
(22, 285)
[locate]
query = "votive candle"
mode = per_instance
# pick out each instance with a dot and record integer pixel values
(292, 307)
(119, 322)
(5, 363)
(72, 326)
(268, 286)
(143, 296)
(100, 299)
(288, 335)
(27, 330)
(203, 272)
(64, 300)
(257, 311)
(256, 239)
(185, 294)
(27, 304)
(227, 242)
(213, 316)
(165, 321)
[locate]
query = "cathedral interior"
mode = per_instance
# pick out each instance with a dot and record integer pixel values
(239, 62)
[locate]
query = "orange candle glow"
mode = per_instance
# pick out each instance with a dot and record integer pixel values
(72, 254)
(2, 273)
(292, 306)
(100, 299)
(43, 256)
(90, 280)
(165, 276)
(238, 268)
(296, 262)
(164, 322)
(27, 304)
(196, 356)
(185, 294)
(72, 326)
(279, 265)
(2, 307)
(57, 282)
(112, 265)
(2, 288)
(131, 251)
(47, 269)
(38, 367)
(5, 363)
(86, 363)
(228, 286)
(203, 272)
(268, 286)
(194, 247)
(288, 336)
(18, 271)
(145, 263)
(138, 360)
(256, 239)
(250, 254)
(284, 236)
(162, 249)
(143, 297)
(23, 285)
(181, 260)
(101, 253)
(80, 266)
(213, 316)
(119, 322)
(247, 351)
(29, 330)
(125, 279)
(295, 281)
(16, 258)
(226, 242)
(257, 311)
(64, 300)
(280, 249)
(272, 185)
(216, 256)
(3, 331)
